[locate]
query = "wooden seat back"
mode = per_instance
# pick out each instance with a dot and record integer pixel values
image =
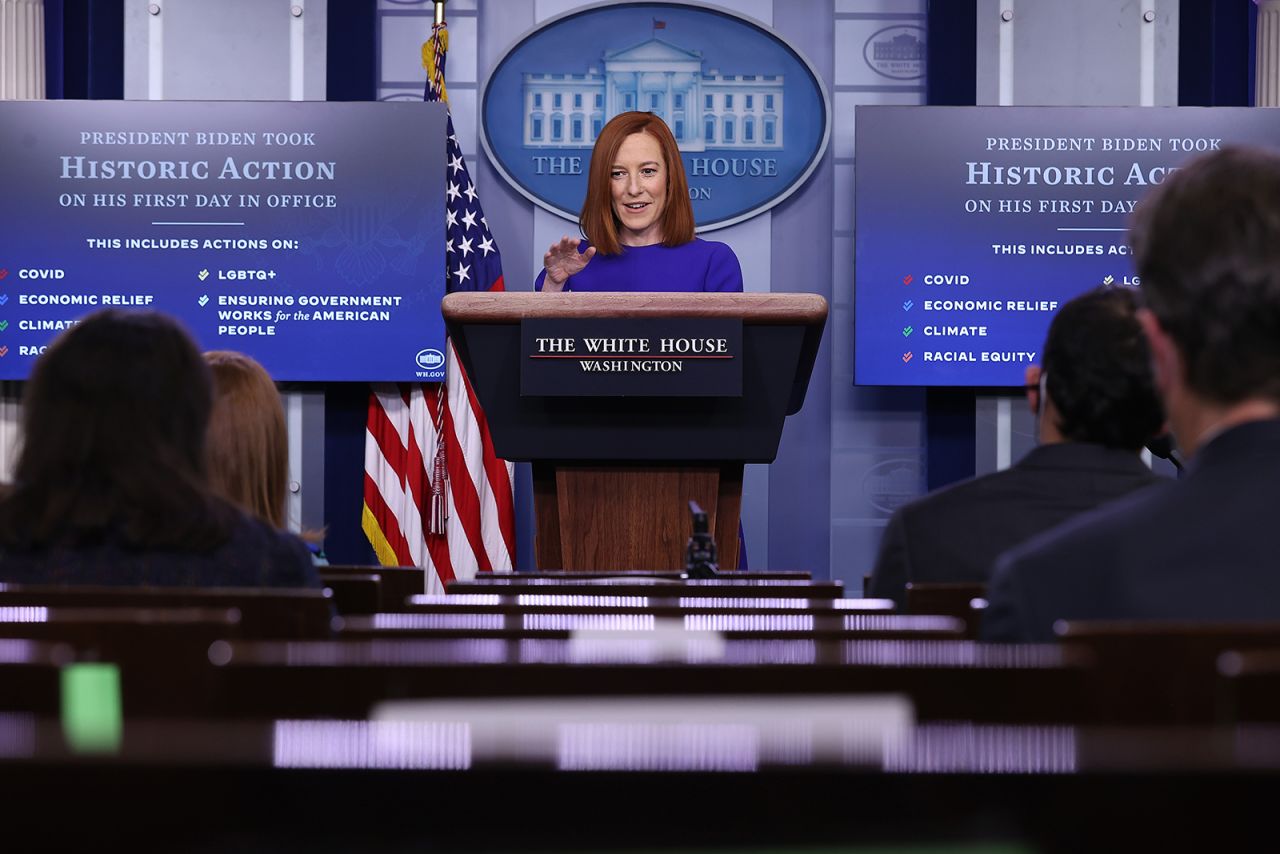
(355, 593)
(264, 612)
(946, 680)
(724, 586)
(1161, 671)
(948, 599)
(31, 676)
(161, 653)
(514, 624)
(830, 611)
(624, 574)
(398, 583)
(1248, 687)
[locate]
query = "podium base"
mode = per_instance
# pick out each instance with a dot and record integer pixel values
(595, 518)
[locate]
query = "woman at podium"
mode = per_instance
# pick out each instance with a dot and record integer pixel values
(638, 221)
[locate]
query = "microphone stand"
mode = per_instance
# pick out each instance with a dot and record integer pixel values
(700, 554)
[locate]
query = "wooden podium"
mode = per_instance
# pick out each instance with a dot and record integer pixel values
(613, 475)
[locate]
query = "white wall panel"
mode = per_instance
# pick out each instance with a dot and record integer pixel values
(462, 106)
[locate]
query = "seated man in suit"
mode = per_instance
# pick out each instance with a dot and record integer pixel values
(1096, 406)
(1206, 244)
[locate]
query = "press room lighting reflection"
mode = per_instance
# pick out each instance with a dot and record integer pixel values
(487, 600)
(771, 652)
(544, 600)
(588, 622)
(680, 734)
(900, 622)
(748, 622)
(948, 653)
(973, 749)
(17, 651)
(435, 745)
(716, 583)
(24, 614)
(383, 653)
(464, 622)
(731, 602)
(863, 604)
(611, 647)
(657, 747)
(17, 736)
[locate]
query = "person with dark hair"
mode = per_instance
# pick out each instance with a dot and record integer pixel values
(110, 485)
(1206, 246)
(1096, 404)
(637, 221)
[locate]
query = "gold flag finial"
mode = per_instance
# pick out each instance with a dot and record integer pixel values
(433, 53)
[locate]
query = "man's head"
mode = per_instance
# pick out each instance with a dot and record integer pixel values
(1096, 374)
(1206, 245)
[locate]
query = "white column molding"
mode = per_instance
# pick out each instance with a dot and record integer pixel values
(1004, 48)
(1004, 82)
(1267, 73)
(297, 53)
(1147, 54)
(21, 50)
(10, 428)
(1004, 433)
(21, 78)
(294, 423)
(155, 52)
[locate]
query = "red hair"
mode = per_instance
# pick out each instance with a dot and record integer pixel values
(598, 221)
(247, 449)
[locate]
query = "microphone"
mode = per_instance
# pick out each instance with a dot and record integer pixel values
(700, 554)
(1162, 446)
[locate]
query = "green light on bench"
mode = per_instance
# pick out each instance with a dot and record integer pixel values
(92, 720)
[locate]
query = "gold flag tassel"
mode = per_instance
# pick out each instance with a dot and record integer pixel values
(433, 52)
(438, 518)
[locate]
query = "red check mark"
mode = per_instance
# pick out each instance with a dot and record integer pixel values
(4, 351)
(908, 279)
(4, 273)
(906, 357)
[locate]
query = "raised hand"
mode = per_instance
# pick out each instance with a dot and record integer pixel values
(564, 260)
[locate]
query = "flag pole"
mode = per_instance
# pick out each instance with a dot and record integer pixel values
(438, 517)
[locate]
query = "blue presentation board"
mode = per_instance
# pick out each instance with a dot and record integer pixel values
(973, 224)
(309, 235)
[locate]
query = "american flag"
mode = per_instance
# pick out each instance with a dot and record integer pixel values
(435, 494)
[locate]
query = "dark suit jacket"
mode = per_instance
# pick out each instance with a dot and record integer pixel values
(256, 555)
(956, 534)
(1204, 547)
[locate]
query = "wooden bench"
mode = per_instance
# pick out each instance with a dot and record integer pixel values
(707, 613)
(264, 612)
(1248, 689)
(946, 680)
(717, 587)
(563, 575)
(31, 676)
(1149, 671)
(398, 582)
(161, 653)
(952, 600)
(355, 592)
(516, 625)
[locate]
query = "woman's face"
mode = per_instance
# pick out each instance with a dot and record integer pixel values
(638, 184)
